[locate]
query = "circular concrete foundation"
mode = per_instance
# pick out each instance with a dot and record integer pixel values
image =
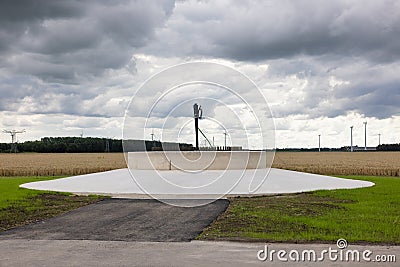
(119, 183)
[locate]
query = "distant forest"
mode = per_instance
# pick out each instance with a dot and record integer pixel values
(67, 145)
(389, 147)
(384, 147)
(99, 145)
(87, 145)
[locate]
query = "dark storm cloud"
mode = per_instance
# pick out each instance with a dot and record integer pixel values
(253, 31)
(52, 52)
(25, 10)
(59, 41)
(312, 40)
(19, 16)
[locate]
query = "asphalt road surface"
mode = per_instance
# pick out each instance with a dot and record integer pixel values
(22, 252)
(101, 234)
(124, 220)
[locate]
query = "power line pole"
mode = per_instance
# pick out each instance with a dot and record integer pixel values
(107, 146)
(13, 134)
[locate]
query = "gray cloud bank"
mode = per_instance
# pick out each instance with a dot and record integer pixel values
(354, 41)
(57, 56)
(62, 40)
(52, 52)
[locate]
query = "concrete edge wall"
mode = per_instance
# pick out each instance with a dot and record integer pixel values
(197, 160)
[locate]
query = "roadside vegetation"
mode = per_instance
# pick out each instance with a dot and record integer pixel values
(19, 206)
(365, 215)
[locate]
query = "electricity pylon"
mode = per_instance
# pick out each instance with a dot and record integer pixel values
(13, 134)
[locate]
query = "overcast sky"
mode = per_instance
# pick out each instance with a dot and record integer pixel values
(323, 66)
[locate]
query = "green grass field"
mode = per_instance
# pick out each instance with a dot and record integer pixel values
(365, 215)
(19, 206)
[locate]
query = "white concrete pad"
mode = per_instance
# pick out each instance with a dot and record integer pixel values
(198, 160)
(119, 183)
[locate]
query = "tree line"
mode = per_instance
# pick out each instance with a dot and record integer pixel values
(67, 145)
(89, 145)
(98, 145)
(388, 147)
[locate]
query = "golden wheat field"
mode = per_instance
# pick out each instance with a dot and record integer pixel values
(340, 163)
(54, 164)
(331, 163)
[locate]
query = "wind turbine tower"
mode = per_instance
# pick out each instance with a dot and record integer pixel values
(152, 135)
(351, 138)
(365, 135)
(198, 114)
(319, 143)
(225, 133)
(13, 134)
